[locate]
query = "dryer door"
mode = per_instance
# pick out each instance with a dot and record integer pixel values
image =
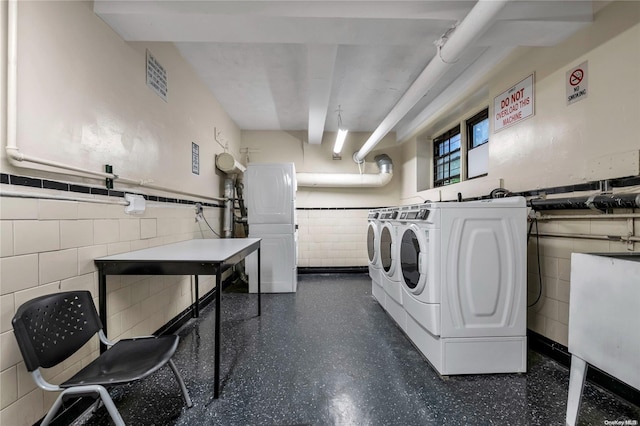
(387, 245)
(372, 242)
(418, 263)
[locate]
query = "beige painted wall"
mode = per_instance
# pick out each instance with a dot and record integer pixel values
(82, 100)
(561, 144)
(593, 139)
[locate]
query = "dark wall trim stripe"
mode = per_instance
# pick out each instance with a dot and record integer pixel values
(63, 186)
(82, 189)
(337, 208)
(333, 270)
(560, 353)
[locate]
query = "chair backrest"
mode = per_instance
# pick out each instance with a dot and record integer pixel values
(51, 328)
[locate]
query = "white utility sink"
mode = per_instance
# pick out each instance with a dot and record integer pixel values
(604, 320)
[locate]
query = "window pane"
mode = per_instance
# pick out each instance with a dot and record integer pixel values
(455, 164)
(480, 133)
(446, 149)
(455, 142)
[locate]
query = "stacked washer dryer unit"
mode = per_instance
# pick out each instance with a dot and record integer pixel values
(390, 270)
(463, 268)
(373, 251)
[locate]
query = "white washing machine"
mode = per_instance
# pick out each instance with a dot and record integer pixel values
(389, 272)
(463, 276)
(373, 251)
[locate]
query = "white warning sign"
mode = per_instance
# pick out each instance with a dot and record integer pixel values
(577, 83)
(156, 77)
(514, 104)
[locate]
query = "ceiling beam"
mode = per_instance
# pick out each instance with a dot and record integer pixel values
(321, 61)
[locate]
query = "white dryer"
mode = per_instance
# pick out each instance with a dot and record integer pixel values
(389, 273)
(464, 284)
(373, 252)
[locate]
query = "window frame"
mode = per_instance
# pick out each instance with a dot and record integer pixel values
(469, 124)
(476, 119)
(446, 137)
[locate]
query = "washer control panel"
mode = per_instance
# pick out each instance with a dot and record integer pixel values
(389, 214)
(415, 214)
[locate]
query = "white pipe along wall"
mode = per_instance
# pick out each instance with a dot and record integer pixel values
(335, 180)
(18, 158)
(479, 19)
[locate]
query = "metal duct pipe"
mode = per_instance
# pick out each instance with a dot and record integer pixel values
(475, 24)
(598, 202)
(228, 164)
(342, 180)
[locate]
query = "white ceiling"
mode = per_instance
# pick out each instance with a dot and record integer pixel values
(288, 65)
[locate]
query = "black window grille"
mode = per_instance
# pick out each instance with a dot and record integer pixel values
(446, 158)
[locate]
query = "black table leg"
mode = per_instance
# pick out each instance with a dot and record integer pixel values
(259, 291)
(216, 371)
(102, 304)
(196, 307)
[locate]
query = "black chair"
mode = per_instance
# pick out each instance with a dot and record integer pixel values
(49, 329)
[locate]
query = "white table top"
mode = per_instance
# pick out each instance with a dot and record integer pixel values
(204, 250)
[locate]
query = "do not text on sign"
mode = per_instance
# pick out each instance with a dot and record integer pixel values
(514, 104)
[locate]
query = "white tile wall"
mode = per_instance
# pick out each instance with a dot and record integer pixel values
(550, 316)
(18, 273)
(49, 246)
(6, 238)
(76, 233)
(34, 236)
(55, 209)
(332, 237)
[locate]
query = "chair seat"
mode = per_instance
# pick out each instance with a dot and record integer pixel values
(127, 360)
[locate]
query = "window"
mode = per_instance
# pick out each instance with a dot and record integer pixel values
(478, 129)
(478, 145)
(446, 158)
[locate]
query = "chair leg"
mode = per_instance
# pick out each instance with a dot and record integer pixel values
(85, 390)
(96, 406)
(53, 410)
(185, 392)
(110, 406)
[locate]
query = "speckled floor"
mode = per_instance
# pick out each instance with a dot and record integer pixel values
(330, 355)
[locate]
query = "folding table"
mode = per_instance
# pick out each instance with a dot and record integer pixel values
(193, 257)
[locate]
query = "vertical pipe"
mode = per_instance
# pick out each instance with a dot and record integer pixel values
(227, 227)
(12, 72)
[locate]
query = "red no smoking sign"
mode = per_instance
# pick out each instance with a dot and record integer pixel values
(576, 77)
(577, 83)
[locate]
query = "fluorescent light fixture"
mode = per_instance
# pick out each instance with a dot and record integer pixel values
(342, 134)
